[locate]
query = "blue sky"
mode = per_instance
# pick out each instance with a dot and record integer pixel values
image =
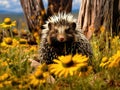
(14, 5)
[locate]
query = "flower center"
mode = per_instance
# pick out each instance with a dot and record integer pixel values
(84, 69)
(39, 74)
(8, 41)
(69, 64)
(7, 21)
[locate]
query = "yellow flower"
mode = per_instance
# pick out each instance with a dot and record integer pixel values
(15, 31)
(38, 78)
(23, 32)
(43, 12)
(21, 86)
(102, 29)
(15, 43)
(115, 60)
(115, 39)
(4, 77)
(23, 82)
(105, 61)
(67, 65)
(36, 34)
(79, 58)
(85, 71)
(42, 67)
(8, 40)
(23, 41)
(3, 64)
(6, 83)
(33, 48)
(15, 81)
(92, 28)
(8, 23)
(3, 44)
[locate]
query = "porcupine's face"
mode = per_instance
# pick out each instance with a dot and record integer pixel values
(61, 32)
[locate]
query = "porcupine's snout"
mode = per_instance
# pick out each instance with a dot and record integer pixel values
(61, 38)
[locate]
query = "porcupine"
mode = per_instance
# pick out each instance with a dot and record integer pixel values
(60, 37)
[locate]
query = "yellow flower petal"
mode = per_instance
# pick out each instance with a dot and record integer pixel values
(66, 73)
(61, 73)
(56, 61)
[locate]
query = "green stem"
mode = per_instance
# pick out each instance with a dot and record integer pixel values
(11, 34)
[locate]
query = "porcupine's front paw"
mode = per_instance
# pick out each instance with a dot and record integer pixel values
(33, 63)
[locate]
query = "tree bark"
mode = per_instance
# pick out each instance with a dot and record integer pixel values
(35, 13)
(96, 13)
(55, 6)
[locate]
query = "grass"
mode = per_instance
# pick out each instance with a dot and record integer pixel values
(16, 71)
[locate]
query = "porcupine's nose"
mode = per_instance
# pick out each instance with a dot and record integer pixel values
(61, 39)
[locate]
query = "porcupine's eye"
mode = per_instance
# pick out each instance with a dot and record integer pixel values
(67, 30)
(56, 31)
(73, 26)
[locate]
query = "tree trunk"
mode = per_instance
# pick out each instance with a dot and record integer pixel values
(96, 13)
(35, 12)
(55, 6)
